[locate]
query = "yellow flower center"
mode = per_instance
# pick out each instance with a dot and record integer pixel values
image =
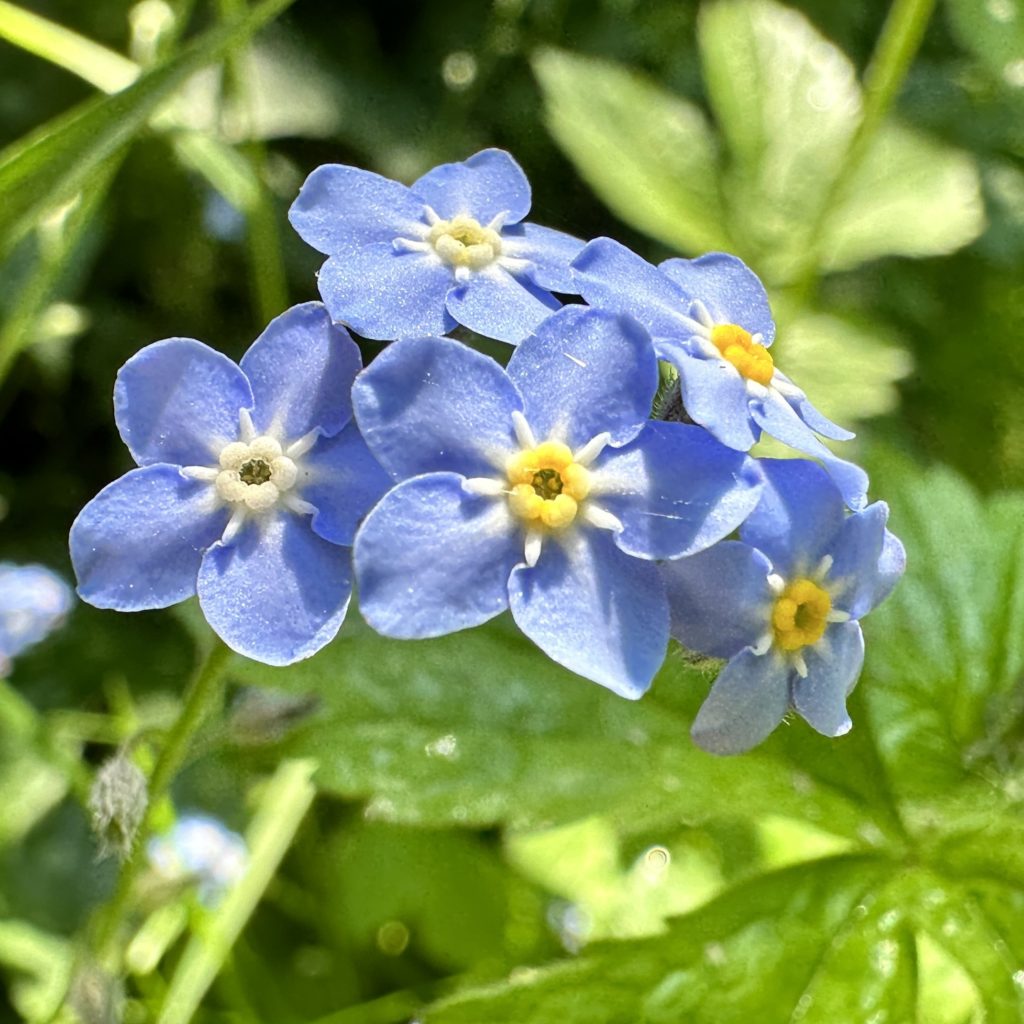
(753, 361)
(464, 242)
(800, 614)
(546, 485)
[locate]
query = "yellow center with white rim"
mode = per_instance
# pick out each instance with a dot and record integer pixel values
(548, 487)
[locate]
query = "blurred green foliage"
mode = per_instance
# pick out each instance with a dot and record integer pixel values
(493, 839)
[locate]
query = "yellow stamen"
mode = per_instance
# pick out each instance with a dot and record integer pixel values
(800, 614)
(546, 485)
(752, 360)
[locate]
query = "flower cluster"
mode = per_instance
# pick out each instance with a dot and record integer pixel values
(199, 849)
(562, 487)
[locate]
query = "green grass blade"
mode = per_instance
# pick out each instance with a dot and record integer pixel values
(53, 162)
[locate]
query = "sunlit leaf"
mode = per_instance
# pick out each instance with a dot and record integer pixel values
(649, 155)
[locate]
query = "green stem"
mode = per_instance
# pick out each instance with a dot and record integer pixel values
(202, 697)
(894, 52)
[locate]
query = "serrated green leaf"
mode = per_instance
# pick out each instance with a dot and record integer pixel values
(648, 154)
(909, 196)
(56, 160)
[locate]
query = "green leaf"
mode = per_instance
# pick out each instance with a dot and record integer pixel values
(787, 133)
(909, 196)
(938, 739)
(57, 160)
(481, 728)
(648, 154)
(994, 32)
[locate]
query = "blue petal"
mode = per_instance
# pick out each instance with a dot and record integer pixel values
(33, 602)
(548, 250)
(719, 600)
(488, 183)
(867, 561)
(384, 294)
(341, 208)
(748, 700)
(178, 401)
(301, 370)
(594, 610)
(278, 592)
(584, 372)
(675, 489)
(499, 305)
(833, 666)
(432, 559)
(610, 276)
(714, 394)
(345, 482)
(139, 542)
(432, 404)
(798, 517)
(729, 289)
(776, 417)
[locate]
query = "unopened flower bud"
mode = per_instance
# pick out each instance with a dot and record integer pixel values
(117, 803)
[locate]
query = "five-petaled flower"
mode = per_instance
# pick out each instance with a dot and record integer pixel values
(252, 481)
(451, 248)
(783, 605)
(545, 489)
(710, 318)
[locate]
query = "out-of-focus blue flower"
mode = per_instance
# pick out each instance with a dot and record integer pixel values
(33, 603)
(710, 318)
(545, 489)
(199, 849)
(251, 483)
(783, 605)
(451, 248)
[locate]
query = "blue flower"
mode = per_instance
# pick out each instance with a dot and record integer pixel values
(783, 605)
(33, 603)
(710, 318)
(408, 261)
(251, 483)
(545, 488)
(199, 849)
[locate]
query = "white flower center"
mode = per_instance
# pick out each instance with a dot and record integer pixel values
(465, 242)
(255, 473)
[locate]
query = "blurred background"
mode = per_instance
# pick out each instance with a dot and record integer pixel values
(457, 841)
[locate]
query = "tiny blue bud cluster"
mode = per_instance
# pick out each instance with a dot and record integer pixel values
(452, 488)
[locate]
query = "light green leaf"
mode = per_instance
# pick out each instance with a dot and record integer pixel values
(909, 196)
(788, 104)
(648, 154)
(58, 159)
(848, 369)
(993, 30)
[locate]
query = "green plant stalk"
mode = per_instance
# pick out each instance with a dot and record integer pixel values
(203, 696)
(263, 241)
(283, 805)
(894, 52)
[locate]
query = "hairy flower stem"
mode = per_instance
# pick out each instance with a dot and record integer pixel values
(202, 698)
(894, 53)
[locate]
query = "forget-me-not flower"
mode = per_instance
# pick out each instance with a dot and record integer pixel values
(545, 489)
(199, 849)
(783, 605)
(251, 482)
(710, 318)
(33, 603)
(451, 248)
